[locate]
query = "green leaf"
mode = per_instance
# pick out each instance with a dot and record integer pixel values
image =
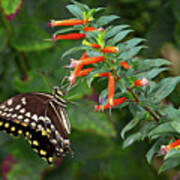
(84, 118)
(173, 153)
(33, 84)
(131, 52)
(133, 42)
(163, 128)
(73, 51)
(83, 7)
(131, 139)
(113, 31)
(75, 10)
(176, 124)
(149, 63)
(150, 74)
(77, 92)
(118, 37)
(3, 39)
(133, 123)
(30, 38)
(154, 149)
(103, 20)
(164, 88)
(11, 7)
(169, 164)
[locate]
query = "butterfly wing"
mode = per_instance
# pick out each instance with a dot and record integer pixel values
(32, 115)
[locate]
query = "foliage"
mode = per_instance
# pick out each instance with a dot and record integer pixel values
(96, 136)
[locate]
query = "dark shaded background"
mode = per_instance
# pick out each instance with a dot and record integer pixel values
(29, 63)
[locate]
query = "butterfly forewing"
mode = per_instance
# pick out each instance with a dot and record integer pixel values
(37, 116)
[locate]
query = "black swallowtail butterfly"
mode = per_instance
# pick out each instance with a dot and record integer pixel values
(41, 118)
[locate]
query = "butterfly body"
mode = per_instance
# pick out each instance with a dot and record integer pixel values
(41, 118)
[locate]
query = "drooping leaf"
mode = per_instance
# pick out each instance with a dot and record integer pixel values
(162, 129)
(155, 148)
(132, 123)
(103, 20)
(131, 139)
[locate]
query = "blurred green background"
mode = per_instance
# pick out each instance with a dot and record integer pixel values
(28, 62)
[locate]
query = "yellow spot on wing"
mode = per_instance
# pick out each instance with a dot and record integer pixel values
(13, 128)
(42, 152)
(1, 123)
(50, 159)
(35, 143)
(24, 124)
(6, 125)
(20, 132)
(16, 121)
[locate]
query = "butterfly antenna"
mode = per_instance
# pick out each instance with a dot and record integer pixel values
(45, 80)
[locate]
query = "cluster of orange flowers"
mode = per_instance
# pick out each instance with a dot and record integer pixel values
(85, 60)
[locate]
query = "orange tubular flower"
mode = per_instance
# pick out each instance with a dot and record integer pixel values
(92, 60)
(111, 86)
(125, 65)
(67, 22)
(75, 36)
(78, 67)
(141, 82)
(110, 49)
(86, 43)
(89, 29)
(116, 102)
(85, 72)
(165, 149)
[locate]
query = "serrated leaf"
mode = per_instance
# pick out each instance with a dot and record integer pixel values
(162, 129)
(151, 73)
(84, 118)
(11, 8)
(131, 139)
(176, 124)
(132, 123)
(103, 20)
(113, 31)
(33, 38)
(75, 10)
(119, 37)
(73, 51)
(164, 88)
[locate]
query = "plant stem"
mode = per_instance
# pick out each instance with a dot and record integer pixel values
(146, 108)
